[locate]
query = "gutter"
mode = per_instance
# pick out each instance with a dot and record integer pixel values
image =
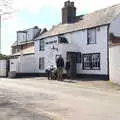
(40, 37)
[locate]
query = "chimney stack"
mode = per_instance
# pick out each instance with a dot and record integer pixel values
(68, 12)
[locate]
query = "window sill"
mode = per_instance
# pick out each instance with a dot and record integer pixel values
(91, 69)
(91, 43)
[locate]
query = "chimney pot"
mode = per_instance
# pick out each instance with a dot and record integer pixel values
(72, 4)
(68, 12)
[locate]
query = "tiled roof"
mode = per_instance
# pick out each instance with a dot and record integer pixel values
(29, 50)
(40, 32)
(21, 43)
(97, 18)
(115, 41)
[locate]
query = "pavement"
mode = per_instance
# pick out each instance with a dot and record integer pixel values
(40, 99)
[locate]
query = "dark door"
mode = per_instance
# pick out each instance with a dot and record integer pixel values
(7, 67)
(74, 57)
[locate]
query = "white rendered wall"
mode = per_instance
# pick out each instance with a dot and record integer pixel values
(23, 64)
(114, 62)
(13, 65)
(77, 43)
(49, 54)
(114, 52)
(80, 39)
(3, 71)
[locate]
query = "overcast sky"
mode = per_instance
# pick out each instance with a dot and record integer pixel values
(42, 13)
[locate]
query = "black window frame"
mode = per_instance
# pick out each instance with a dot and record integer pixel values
(40, 68)
(41, 48)
(91, 63)
(88, 39)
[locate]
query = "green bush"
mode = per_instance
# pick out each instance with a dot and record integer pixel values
(3, 57)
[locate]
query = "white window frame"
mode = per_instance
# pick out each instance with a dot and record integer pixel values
(91, 61)
(91, 36)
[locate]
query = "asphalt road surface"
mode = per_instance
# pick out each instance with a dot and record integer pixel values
(38, 99)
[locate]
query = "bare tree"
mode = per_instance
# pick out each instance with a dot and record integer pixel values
(5, 8)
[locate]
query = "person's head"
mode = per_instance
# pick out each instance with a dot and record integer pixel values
(60, 56)
(51, 66)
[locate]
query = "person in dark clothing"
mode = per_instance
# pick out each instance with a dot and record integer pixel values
(67, 67)
(49, 72)
(60, 66)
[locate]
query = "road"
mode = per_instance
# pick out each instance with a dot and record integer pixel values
(39, 99)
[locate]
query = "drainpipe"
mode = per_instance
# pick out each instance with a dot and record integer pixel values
(108, 39)
(0, 34)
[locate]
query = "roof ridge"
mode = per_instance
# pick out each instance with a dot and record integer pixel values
(97, 18)
(28, 29)
(99, 10)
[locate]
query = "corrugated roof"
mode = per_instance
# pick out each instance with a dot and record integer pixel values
(97, 18)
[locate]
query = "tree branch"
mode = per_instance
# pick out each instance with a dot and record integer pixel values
(6, 6)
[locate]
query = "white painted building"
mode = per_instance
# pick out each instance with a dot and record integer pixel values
(3, 68)
(85, 39)
(114, 51)
(114, 60)
(22, 60)
(25, 38)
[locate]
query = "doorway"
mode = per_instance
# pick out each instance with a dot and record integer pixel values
(74, 57)
(7, 67)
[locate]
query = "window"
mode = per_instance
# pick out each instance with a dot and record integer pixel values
(62, 40)
(42, 45)
(29, 36)
(21, 47)
(75, 56)
(91, 61)
(91, 36)
(41, 63)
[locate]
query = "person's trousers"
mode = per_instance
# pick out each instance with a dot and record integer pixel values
(68, 74)
(49, 75)
(60, 72)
